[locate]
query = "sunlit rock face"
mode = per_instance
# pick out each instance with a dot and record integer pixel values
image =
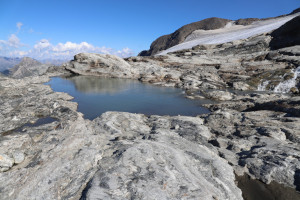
(100, 65)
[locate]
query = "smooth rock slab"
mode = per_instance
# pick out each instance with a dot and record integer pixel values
(160, 165)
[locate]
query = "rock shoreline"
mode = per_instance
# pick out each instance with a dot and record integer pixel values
(70, 153)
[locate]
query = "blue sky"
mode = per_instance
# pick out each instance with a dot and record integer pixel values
(59, 28)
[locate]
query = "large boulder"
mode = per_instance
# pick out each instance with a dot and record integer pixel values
(99, 65)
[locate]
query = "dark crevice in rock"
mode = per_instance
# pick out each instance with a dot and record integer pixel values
(278, 106)
(86, 189)
(297, 179)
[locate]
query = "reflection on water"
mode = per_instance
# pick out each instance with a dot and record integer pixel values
(96, 95)
(257, 190)
(94, 85)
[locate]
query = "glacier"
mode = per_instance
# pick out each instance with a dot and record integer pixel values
(229, 33)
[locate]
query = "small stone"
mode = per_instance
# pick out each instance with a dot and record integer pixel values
(294, 90)
(275, 133)
(219, 95)
(15, 118)
(19, 157)
(4, 169)
(240, 86)
(56, 105)
(5, 162)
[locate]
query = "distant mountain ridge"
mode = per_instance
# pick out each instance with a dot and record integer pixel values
(167, 41)
(28, 67)
(7, 63)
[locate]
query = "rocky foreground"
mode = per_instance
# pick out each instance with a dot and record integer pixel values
(49, 151)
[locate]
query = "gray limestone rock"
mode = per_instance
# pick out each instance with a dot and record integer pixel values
(99, 65)
(160, 165)
(6, 162)
(19, 157)
(219, 95)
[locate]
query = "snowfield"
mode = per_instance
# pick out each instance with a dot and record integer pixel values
(229, 33)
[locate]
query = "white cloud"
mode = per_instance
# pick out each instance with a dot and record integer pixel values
(42, 44)
(17, 53)
(7, 47)
(19, 25)
(43, 49)
(14, 41)
(126, 52)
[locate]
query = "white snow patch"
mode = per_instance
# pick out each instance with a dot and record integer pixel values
(229, 33)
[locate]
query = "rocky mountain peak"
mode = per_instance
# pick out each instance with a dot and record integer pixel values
(167, 41)
(295, 11)
(28, 61)
(28, 67)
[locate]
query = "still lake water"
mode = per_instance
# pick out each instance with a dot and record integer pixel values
(96, 95)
